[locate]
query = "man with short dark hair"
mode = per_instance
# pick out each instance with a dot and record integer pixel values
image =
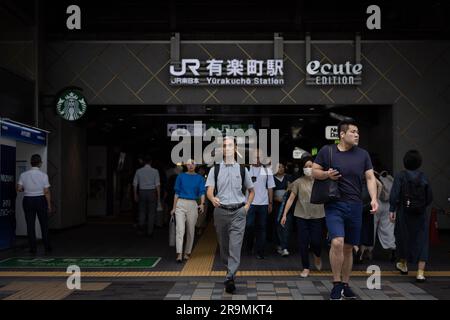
(349, 166)
(261, 206)
(36, 201)
(146, 186)
(230, 210)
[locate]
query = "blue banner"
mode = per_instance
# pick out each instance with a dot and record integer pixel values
(22, 133)
(7, 196)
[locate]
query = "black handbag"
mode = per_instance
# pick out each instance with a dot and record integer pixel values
(324, 191)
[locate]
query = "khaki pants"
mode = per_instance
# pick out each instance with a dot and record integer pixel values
(186, 214)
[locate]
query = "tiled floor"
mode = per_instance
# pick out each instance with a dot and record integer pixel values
(314, 288)
(201, 277)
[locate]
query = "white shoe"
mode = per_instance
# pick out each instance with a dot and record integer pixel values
(285, 253)
(420, 278)
(318, 264)
(279, 250)
(305, 273)
(402, 267)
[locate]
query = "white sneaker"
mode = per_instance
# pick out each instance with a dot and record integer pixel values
(402, 267)
(318, 264)
(420, 278)
(279, 250)
(305, 273)
(285, 253)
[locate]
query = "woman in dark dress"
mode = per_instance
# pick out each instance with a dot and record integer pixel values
(410, 196)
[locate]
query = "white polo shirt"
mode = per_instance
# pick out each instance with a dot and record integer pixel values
(33, 182)
(262, 176)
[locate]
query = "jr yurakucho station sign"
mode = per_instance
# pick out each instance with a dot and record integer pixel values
(234, 72)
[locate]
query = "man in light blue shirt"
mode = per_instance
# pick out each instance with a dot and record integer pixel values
(147, 190)
(230, 208)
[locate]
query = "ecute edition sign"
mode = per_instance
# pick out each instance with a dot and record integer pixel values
(333, 74)
(234, 72)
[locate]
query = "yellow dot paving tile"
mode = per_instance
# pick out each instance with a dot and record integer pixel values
(201, 273)
(202, 258)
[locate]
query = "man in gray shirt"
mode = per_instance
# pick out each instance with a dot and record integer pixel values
(146, 186)
(230, 209)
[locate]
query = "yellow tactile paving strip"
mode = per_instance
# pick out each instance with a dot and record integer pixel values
(201, 265)
(249, 273)
(202, 258)
(46, 290)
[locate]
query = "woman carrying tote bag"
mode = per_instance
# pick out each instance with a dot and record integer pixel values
(189, 187)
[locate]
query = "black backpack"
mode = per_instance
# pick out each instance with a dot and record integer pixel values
(216, 174)
(414, 194)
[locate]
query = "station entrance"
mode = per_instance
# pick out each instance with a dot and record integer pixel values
(118, 136)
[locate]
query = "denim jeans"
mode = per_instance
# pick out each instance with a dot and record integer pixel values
(256, 223)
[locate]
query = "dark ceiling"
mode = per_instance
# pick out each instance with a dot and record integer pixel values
(243, 19)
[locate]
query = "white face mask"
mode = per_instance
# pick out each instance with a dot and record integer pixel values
(307, 172)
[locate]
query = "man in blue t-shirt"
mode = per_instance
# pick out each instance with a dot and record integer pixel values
(350, 165)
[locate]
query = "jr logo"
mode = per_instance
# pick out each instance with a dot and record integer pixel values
(192, 64)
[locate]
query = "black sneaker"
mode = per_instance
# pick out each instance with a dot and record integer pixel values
(336, 292)
(347, 292)
(229, 286)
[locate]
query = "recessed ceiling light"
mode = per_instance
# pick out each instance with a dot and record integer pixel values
(312, 109)
(104, 109)
(120, 119)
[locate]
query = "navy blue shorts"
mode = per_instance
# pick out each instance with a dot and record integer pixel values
(344, 219)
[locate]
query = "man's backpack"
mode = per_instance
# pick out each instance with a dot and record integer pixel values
(216, 174)
(414, 194)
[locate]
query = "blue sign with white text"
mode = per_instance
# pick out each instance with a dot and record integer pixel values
(7, 196)
(25, 134)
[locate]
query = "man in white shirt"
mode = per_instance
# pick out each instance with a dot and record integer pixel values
(260, 208)
(36, 201)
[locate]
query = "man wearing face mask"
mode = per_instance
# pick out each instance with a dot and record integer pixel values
(308, 217)
(349, 166)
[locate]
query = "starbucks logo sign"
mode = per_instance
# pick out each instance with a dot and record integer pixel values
(71, 105)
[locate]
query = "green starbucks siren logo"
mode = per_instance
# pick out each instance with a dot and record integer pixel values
(71, 105)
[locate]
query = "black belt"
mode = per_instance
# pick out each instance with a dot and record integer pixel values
(231, 207)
